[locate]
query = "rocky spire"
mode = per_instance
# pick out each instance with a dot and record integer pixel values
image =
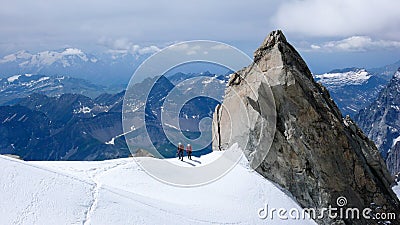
(315, 154)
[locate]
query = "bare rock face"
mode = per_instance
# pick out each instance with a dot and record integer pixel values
(393, 159)
(381, 122)
(314, 153)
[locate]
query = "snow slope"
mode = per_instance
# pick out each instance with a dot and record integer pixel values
(396, 190)
(120, 192)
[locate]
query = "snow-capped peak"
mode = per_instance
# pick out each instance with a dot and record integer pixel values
(354, 76)
(13, 78)
(65, 57)
(34, 78)
(397, 74)
(49, 57)
(16, 56)
(72, 51)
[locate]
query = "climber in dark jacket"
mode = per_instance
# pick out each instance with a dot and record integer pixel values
(189, 151)
(181, 148)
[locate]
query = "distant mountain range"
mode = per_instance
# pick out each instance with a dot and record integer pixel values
(355, 88)
(115, 69)
(68, 127)
(386, 71)
(105, 68)
(381, 122)
(20, 86)
(73, 126)
(76, 96)
(372, 98)
(189, 116)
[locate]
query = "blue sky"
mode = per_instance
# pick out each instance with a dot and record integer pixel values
(329, 34)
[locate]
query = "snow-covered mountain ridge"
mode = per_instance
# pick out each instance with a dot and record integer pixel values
(352, 88)
(19, 86)
(98, 67)
(120, 192)
(351, 76)
(45, 58)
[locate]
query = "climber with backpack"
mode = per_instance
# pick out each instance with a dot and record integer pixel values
(189, 151)
(180, 151)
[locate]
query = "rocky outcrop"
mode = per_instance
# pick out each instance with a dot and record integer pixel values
(393, 159)
(381, 121)
(315, 153)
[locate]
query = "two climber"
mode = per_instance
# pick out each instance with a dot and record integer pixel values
(181, 149)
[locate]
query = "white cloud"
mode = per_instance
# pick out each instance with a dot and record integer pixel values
(189, 49)
(221, 47)
(123, 46)
(149, 50)
(42, 24)
(315, 46)
(26, 24)
(356, 44)
(340, 18)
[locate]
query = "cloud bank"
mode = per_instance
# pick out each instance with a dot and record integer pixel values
(123, 46)
(340, 18)
(356, 44)
(139, 26)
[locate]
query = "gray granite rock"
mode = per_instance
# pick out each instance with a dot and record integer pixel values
(315, 154)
